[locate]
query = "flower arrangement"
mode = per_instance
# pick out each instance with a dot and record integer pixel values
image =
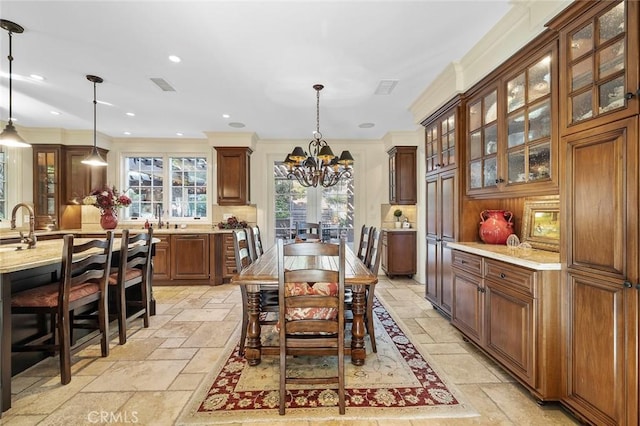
(232, 223)
(106, 198)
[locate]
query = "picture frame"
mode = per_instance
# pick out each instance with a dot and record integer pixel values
(541, 223)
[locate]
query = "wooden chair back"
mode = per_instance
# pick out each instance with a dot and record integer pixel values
(257, 241)
(308, 231)
(311, 321)
(364, 245)
(373, 259)
(242, 248)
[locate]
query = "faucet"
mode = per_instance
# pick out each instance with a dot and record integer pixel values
(159, 215)
(31, 239)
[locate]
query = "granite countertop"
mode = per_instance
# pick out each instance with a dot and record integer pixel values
(9, 234)
(399, 229)
(541, 260)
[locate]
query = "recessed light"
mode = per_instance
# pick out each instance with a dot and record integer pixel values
(127, 133)
(55, 113)
(226, 116)
(130, 114)
(175, 59)
(236, 125)
(366, 125)
(179, 134)
(37, 77)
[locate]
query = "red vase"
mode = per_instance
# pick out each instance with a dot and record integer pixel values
(495, 226)
(109, 219)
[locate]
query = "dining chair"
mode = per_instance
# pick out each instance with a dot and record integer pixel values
(83, 282)
(134, 268)
(364, 246)
(373, 264)
(257, 241)
(311, 317)
(268, 297)
(308, 231)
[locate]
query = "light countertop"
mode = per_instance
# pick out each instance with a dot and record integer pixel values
(541, 260)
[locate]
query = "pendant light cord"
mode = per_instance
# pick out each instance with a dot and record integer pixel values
(10, 79)
(94, 115)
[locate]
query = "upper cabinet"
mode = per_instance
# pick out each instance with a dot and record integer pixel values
(511, 131)
(233, 176)
(598, 63)
(440, 139)
(403, 175)
(60, 179)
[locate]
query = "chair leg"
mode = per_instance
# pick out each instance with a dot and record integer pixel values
(369, 315)
(283, 379)
(64, 335)
(245, 321)
(144, 291)
(103, 322)
(341, 398)
(121, 305)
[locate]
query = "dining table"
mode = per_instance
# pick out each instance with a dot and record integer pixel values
(262, 273)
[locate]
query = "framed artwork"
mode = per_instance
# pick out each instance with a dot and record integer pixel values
(541, 223)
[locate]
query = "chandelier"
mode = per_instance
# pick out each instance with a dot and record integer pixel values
(319, 166)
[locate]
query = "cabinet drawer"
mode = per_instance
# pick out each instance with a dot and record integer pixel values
(467, 262)
(511, 275)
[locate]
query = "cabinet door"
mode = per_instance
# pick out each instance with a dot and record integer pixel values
(47, 184)
(467, 309)
(384, 259)
(602, 382)
(510, 329)
(432, 260)
(81, 179)
(482, 142)
(229, 257)
(162, 258)
(190, 257)
(234, 172)
(440, 143)
(403, 175)
(599, 63)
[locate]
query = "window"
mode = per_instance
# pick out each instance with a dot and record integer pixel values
(333, 207)
(152, 186)
(3, 183)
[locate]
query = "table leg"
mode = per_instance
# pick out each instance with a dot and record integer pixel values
(358, 350)
(252, 347)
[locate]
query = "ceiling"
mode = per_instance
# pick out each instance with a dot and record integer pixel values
(253, 60)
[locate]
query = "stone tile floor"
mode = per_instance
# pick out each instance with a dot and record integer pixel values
(150, 379)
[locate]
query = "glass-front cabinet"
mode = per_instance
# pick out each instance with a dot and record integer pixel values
(440, 140)
(46, 184)
(512, 127)
(601, 83)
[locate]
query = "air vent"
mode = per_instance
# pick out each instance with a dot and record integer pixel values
(385, 87)
(162, 84)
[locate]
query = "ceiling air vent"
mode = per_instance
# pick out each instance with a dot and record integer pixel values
(162, 84)
(385, 87)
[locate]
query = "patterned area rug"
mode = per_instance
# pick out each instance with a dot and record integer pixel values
(397, 382)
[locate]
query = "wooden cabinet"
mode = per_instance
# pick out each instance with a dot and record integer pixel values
(403, 175)
(229, 255)
(190, 257)
(81, 179)
(442, 192)
(513, 314)
(599, 63)
(61, 180)
(162, 258)
(601, 236)
(398, 253)
(234, 172)
(511, 130)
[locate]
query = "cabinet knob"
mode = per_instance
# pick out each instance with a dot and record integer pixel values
(627, 284)
(629, 95)
(499, 180)
(503, 275)
(463, 261)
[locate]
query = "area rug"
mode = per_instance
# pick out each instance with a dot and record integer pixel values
(397, 382)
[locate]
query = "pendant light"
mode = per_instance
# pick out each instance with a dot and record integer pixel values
(320, 166)
(10, 136)
(94, 159)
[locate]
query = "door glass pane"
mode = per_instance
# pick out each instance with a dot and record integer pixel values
(515, 164)
(475, 145)
(540, 161)
(515, 93)
(611, 23)
(491, 139)
(581, 74)
(490, 107)
(581, 106)
(515, 129)
(475, 116)
(490, 172)
(612, 95)
(611, 59)
(539, 79)
(475, 174)
(581, 42)
(540, 121)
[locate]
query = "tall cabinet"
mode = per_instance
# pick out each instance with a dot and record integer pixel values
(442, 192)
(599, 108)
(403, 175)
